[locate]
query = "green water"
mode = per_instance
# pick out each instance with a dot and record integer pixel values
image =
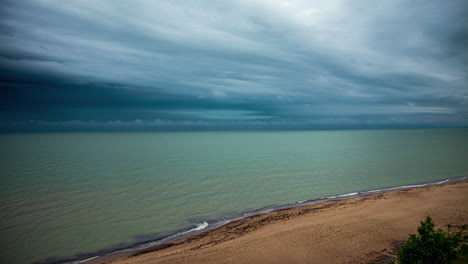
(66, 193)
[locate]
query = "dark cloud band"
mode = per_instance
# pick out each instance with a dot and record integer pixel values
(118, 65)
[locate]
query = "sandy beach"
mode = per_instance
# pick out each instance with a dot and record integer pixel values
(365, 229)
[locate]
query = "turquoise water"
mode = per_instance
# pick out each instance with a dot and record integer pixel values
(66, 193)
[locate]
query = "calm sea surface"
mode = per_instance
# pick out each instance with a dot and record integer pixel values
(66, 193)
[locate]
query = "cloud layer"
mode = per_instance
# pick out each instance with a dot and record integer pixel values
(177, 65)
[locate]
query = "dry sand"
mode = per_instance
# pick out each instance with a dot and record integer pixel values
(365, 229)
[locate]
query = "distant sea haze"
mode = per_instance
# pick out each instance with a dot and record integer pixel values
(69, 193)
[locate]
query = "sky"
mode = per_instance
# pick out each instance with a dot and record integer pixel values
(86, 65)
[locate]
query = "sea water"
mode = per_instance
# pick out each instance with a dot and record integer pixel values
(68, 193)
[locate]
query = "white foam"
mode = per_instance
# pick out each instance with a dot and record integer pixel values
(343, 195)
(407, 186)
(348, 194)
(81, 261)
(442, 182)
(200, 226)
(197, 227)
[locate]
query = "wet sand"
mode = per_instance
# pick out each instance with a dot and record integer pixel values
(366, 229)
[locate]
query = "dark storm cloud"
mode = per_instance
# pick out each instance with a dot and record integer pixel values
(232, 65)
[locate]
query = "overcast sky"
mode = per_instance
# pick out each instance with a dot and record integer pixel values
(183, 65)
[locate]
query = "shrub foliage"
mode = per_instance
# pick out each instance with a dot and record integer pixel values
(433, 246)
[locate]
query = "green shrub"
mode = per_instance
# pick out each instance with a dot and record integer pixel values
(433, 246)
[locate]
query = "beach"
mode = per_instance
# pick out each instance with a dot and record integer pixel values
(366, 229)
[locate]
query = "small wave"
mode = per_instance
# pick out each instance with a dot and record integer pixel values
(444, 181)
(343, 195)
(81, 261)
(197, 227)
(200, 226)
(408, 186)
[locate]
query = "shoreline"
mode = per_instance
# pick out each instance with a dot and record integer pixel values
(204, 229)
(364, 229)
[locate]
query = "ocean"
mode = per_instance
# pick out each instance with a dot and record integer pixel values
(65, 195)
